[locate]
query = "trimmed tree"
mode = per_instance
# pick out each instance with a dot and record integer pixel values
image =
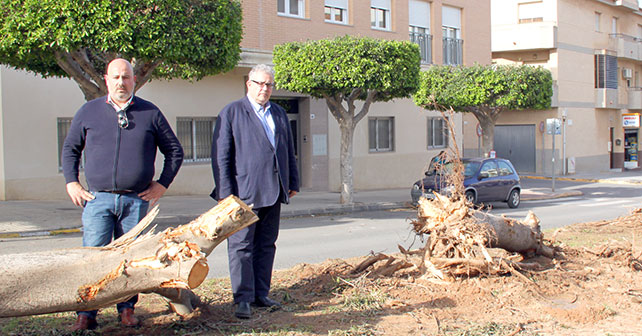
(163, 39)
(485, 91)
(344, 70)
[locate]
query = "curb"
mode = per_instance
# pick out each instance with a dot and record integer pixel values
(27, 234)
(167, 221)
(574, 179)
(537, 197)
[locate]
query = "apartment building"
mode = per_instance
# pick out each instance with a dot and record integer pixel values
(594, 50)
(35, 113)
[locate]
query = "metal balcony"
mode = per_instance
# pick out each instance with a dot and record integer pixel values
(425, 46)
(453, 51)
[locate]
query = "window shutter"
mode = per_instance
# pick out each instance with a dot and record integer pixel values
(343, 4)
(419, 14)
(451, 17)
(383, 4)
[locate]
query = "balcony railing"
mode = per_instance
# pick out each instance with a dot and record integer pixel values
(606, 98)
(628, 4)
(635, 98)
(627, 46)
(453, 51)
(425, 46)
(524, 36)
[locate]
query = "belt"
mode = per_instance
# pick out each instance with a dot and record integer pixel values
(119, 192)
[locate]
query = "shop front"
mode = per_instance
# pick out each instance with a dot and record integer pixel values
(631, 124)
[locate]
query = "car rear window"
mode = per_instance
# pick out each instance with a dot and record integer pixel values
(470, 168)
(504, 168)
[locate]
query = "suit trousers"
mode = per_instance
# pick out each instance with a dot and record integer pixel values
(251, 254)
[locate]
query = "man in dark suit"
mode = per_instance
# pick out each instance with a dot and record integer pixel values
(253, 158)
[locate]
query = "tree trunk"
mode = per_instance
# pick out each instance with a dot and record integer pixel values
(453, 222)
(487, 117)
(170, 262)
(515, 236)
(348, 120)
(86, 68)
(347, 177)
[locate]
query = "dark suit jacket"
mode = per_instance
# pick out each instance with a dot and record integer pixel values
(245, 163)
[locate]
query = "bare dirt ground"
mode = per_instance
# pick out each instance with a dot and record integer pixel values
(592, 287)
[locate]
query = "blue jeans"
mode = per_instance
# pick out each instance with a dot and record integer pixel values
(108, 216)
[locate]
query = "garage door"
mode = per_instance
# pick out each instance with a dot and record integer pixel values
(517, 144)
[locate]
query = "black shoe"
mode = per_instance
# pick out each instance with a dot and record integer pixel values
(264, 301)
(243, 310)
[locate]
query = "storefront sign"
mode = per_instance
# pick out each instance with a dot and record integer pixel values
(631, 120)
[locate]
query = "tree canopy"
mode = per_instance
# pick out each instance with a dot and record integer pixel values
(501, 86)
(163, 39)
(344, 64)
(486, 91)
(346, 69)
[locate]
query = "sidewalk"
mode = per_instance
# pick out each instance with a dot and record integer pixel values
(46, 218)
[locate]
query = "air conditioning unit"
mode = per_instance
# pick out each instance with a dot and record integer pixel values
(627, 73)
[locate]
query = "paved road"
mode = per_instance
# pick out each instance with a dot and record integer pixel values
(312, 239)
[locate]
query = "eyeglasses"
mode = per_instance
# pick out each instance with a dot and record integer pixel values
(261, 84)
(122, 119)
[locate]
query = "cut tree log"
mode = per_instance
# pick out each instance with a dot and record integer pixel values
(462, 241)
(516, 236)
(170, 263)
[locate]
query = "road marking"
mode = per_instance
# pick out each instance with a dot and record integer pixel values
(600, 202)
(565, 200)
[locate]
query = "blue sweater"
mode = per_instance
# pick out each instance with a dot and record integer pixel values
(116, 158)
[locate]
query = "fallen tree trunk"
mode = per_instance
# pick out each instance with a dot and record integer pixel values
(170, 262)
(515, 236)
(462, 241)
(445, 218)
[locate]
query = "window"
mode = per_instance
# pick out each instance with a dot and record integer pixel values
(453, 45)
(63, 129)
(598, 18)
(614, 25)
(530, 12)
(419, 28)
(380, 14)
(381, 134)
(336, 11)
(291, 7)
(437, 133)
(195, 135)
(489, 168)
(605, 72)
(504, 168)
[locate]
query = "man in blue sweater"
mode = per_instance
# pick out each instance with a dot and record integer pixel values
(119, 134)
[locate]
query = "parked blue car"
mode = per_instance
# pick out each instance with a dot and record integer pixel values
(485, 180)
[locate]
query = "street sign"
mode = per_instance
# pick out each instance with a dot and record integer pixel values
(553, 126)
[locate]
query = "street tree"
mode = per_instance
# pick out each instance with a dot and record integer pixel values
(485, 91)
(345, 70)
(163, 39)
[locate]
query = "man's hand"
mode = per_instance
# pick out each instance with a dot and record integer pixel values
(78, 194)
(292, 193)
(153, 193)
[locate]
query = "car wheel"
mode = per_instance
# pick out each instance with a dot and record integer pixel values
(470, 196)
(513, 199)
